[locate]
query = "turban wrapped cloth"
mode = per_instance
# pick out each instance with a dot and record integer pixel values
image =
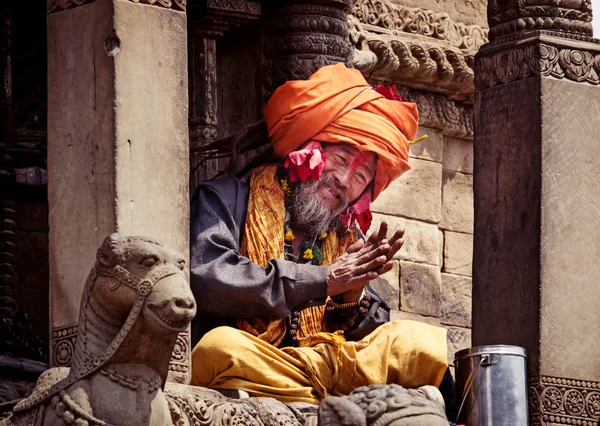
(336, 104)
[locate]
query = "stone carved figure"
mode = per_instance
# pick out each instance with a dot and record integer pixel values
(135, 303)
(384, 405)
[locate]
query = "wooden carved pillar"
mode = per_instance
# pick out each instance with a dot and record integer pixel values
(205, 26)
(537, 168)
(8, 304)
(303, 37)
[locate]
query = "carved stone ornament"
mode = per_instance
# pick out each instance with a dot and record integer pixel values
(564, 401)
(58, 5)
(135, 305)
(415, 61)
(384, 405)
(303, 37)
(455, 119)
(507, 17)
(541, 55)
(402, 19)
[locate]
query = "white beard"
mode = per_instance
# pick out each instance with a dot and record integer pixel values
(310, 213)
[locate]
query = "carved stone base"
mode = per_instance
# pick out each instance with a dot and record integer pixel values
(554, 400)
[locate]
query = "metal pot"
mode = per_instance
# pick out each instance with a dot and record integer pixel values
(492, 385)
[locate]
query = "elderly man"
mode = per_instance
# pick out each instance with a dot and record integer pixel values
(280, 268)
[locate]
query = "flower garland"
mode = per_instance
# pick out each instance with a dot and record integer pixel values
(310, 252)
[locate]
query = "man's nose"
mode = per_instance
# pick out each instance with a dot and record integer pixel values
(342, 179)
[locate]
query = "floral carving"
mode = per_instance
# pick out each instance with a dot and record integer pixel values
(562, 401)
(552, 399)
(63, 345)
(540, 59)
(399, 19)
(573, 402)
(592, 404)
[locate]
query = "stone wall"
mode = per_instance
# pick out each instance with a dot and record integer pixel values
(431, 279)
(433, 202)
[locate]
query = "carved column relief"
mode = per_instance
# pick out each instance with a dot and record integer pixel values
(214, 22)
(303, 37)
(571, 18)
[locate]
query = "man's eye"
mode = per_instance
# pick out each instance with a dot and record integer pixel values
(149, 261)
(341, 159)
(361, 177)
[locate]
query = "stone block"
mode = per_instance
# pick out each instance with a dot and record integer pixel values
(388, 286)
(457, 204)
(420, 288)
(431, 148)
(458, 253)
(458, 155)
(417, 194)
(422, 241)
(401, 315)
(458, 339)
(456, 300)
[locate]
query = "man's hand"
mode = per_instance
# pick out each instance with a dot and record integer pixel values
(371, 249)
(363, 262)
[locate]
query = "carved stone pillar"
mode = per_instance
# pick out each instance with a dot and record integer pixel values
(537, 227)
(303, 36)
(118, 143)
(205, 26)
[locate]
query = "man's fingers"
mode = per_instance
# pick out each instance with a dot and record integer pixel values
(387, 267)
(371, 265)
(397, 235)
(363, 279)
(356, 246)
(383, 228)
(394, 249)
(372, 253)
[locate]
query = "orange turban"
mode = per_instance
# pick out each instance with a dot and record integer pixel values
(336, 104)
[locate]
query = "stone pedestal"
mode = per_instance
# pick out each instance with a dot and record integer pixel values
(537, 227)
(118, 147)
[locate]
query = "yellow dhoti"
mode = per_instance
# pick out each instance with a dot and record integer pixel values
(407, 353)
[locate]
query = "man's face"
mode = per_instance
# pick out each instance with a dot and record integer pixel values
(346, 174)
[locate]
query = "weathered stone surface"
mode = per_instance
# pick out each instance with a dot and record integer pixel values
(458, 155)
(422, 241)
(456, 300)
(431, 148)
(417, 194)
(401, 315)
(458, 253)
(135, 306)
(537, 228)
(466, 11)
(458, 339)
(388, 286)
(420, 288)
(457, 204)
(118, 142)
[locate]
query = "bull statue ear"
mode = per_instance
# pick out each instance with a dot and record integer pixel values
(109, 251)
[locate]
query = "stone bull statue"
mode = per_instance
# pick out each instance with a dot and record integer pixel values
(135, 302)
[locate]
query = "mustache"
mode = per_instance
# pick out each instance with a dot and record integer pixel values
(333, 184)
